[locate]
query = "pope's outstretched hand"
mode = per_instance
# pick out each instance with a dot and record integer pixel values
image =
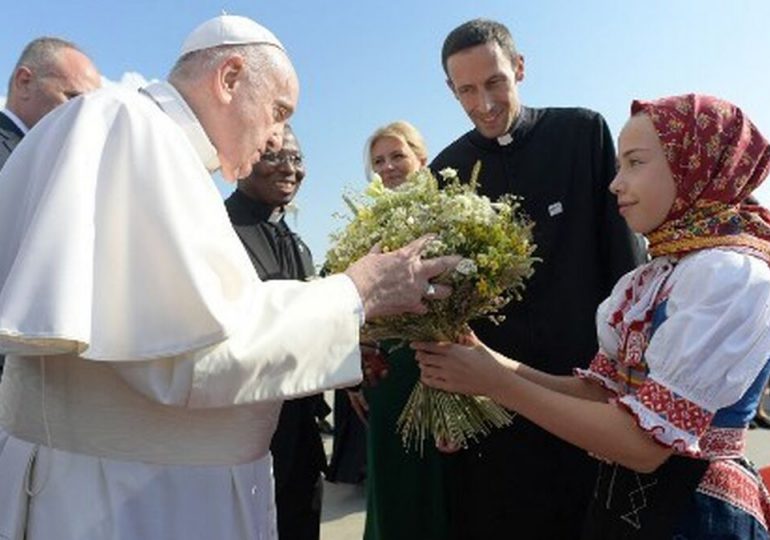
(399, 281)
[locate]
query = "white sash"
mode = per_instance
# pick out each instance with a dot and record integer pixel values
(85, 407)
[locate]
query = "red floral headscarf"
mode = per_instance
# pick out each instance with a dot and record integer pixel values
(717, 158)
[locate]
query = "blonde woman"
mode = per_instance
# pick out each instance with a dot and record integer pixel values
(395, 151)
(405, 491)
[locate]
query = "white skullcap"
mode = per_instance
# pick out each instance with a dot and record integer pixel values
(228, 30)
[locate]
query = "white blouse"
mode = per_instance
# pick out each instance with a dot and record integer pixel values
(705, 354)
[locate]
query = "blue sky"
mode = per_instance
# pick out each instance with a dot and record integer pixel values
(363, 64)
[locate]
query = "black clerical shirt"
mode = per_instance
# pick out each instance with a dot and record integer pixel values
(275, 251)
(560, 161)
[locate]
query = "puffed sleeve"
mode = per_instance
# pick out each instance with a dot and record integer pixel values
(712, 345)
(603, 367)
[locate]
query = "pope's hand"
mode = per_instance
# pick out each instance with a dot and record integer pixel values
(398, 282)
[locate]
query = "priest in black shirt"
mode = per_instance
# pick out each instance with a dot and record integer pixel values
(521, 482)
(257, 208)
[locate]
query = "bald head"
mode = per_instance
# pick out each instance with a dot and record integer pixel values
(49, 72)
(242, 95)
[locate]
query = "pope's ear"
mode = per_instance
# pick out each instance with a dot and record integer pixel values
(229, 75)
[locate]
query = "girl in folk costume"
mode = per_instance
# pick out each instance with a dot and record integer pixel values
(684, 339)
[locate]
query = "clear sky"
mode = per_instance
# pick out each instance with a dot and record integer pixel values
(363, 64)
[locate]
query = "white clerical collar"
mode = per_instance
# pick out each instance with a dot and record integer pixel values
(173, 104)
(16, 120)
(283, 211)
(505, 139)
(276, 215)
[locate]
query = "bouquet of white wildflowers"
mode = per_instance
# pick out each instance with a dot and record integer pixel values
(495, 241)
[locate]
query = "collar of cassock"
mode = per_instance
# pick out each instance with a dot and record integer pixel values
(174, 105)
(523, 124)
(259, 210)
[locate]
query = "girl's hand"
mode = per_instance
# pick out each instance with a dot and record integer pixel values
(471, 368)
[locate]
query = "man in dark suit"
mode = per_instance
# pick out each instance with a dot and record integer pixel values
(10, 135)
(49, 72)
(257, 209)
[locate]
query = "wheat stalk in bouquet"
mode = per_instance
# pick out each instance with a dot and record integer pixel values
(495, 241)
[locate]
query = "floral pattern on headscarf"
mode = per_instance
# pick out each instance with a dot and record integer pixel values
(717, 158)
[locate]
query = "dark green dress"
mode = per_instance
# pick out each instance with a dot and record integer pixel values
(404, 491)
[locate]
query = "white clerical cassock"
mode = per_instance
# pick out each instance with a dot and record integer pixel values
(146, 361)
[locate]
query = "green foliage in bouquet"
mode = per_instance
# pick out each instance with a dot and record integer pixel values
(495, 241)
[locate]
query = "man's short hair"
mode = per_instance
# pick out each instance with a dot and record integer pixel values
(477, 32)
(39, 55)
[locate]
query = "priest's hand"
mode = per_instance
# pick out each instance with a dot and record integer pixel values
(399, 281)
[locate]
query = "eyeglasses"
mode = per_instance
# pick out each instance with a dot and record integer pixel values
(282, 158)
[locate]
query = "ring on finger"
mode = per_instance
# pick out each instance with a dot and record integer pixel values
(430, 290)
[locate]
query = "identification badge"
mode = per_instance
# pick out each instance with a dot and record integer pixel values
(555, 209)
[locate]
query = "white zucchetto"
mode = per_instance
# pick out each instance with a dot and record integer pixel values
(228, 30)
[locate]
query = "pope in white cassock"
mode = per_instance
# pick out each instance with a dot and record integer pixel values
(146, 361)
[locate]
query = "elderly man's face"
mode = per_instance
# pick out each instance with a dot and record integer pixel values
(73, 74)
(275, 180)
(257, 118)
